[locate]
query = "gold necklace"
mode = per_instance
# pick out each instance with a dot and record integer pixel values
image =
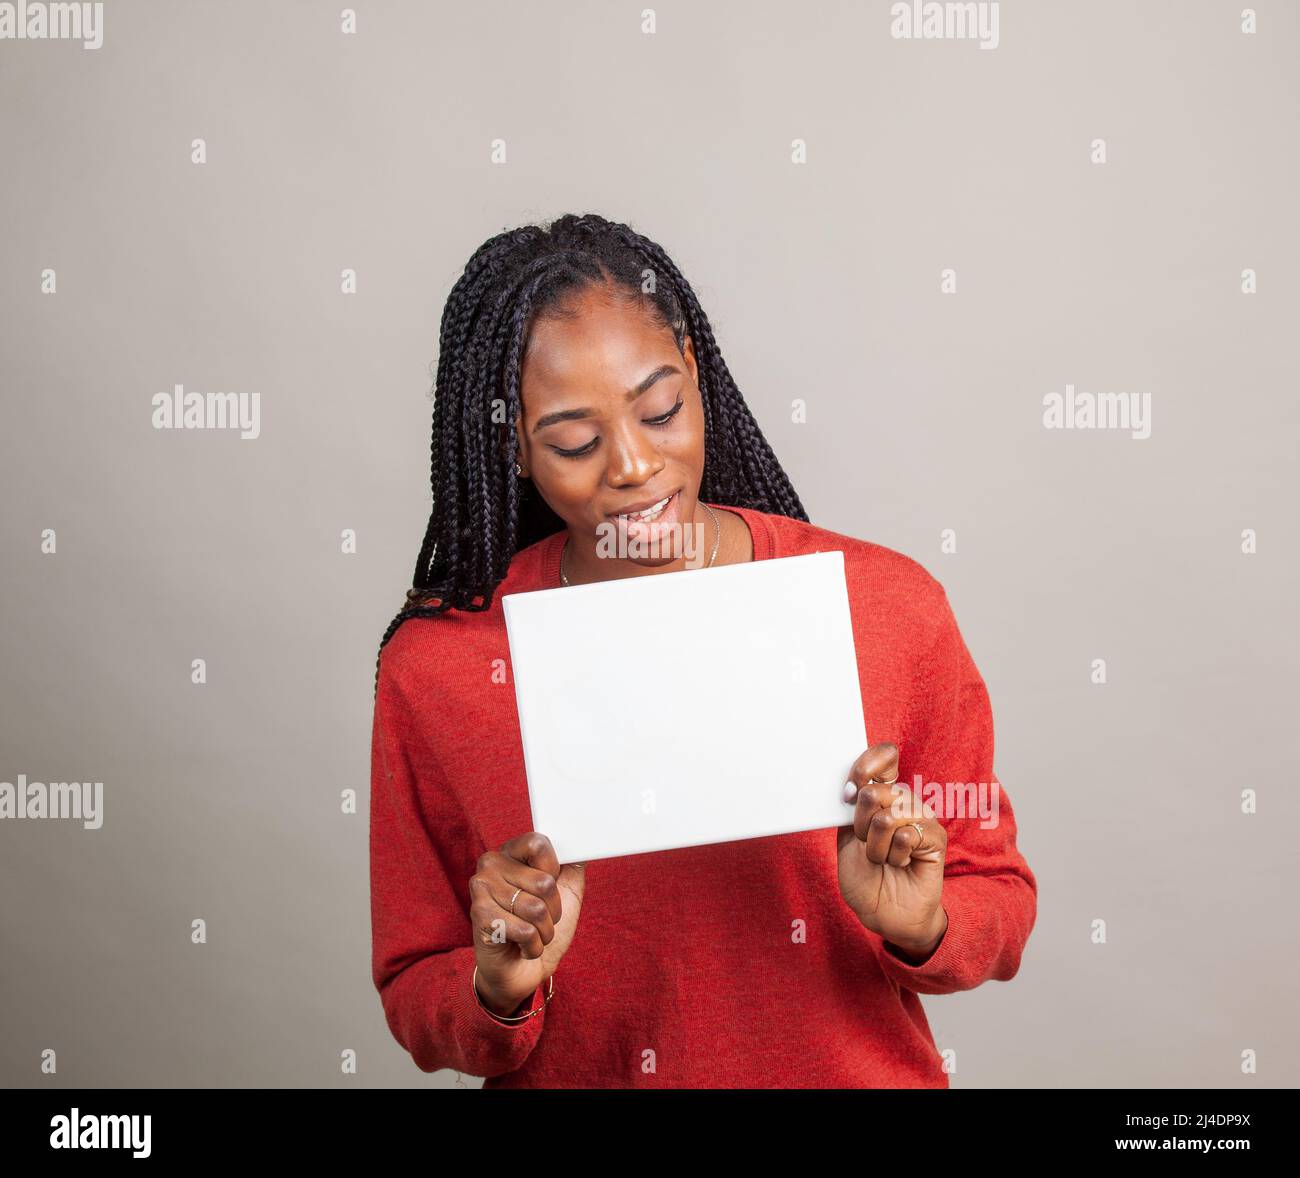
(717, 538)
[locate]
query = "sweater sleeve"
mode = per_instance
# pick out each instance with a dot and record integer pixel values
(422, 949)
(989, 892)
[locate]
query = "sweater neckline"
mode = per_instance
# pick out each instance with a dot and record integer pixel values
(760, 529)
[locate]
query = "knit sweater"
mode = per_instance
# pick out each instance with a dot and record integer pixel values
(734, 965)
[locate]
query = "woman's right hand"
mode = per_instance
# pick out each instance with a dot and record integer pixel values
(519, 953)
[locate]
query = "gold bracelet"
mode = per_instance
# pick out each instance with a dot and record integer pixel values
(516, 1018)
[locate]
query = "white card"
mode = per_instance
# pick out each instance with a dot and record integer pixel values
(680, 709)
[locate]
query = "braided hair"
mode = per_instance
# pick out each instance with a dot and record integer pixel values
(482, 514)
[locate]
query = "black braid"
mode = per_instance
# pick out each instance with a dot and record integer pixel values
(482, 515)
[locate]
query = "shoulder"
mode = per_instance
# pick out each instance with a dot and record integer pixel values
(455, 649)
(426, 654)
(867, 565)
(883, 583)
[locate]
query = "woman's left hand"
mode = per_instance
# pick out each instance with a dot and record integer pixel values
(891, 859)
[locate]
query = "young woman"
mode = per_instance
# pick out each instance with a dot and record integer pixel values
(580, 389)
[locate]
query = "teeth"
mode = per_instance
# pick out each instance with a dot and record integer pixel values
(649, 513)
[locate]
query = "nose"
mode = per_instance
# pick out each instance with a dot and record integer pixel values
(634, 459)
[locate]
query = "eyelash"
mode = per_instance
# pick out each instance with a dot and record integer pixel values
(662, 420)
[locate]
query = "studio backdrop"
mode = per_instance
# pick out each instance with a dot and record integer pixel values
(1010, 290)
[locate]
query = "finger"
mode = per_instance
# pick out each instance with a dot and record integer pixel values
(873, 772)
(904, 803)
(874, 800)
(535, 850)
(879, 834)
(907, 839)
(534, 888)
(879, 763)
(932, 844)
(494, 925)
(575, 882)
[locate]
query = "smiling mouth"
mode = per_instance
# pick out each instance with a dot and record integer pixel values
(648, 514)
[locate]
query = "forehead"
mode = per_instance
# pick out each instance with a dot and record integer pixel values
(607, 345)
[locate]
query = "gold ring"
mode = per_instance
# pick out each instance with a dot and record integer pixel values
(513, 899)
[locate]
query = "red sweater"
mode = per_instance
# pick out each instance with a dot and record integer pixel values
(685, 971)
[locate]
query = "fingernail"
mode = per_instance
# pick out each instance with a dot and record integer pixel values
(850, 791)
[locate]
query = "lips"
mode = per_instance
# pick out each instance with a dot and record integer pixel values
(645, 512)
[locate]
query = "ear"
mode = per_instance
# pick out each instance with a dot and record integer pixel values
(518, 455)
(688, 354)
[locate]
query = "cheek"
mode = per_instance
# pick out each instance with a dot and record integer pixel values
(688, 442)
(564, 482)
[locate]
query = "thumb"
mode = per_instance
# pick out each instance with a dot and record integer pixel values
(572, 882)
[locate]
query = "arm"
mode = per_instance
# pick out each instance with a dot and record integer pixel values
(989, 893)
(423, 954)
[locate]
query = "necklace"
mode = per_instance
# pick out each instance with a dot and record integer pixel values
(717, 537)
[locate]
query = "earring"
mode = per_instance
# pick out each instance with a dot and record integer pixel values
(519, 471)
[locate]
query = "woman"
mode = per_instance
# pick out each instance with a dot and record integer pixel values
(580, 389)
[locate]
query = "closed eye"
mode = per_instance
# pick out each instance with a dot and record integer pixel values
(665, 418)
(578, 453)
(582, 451)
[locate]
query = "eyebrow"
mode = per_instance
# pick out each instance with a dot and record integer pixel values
(632, 394)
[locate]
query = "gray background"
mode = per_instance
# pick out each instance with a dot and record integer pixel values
(371, 151)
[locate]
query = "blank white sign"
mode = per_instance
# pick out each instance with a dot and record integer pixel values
(680, 709)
